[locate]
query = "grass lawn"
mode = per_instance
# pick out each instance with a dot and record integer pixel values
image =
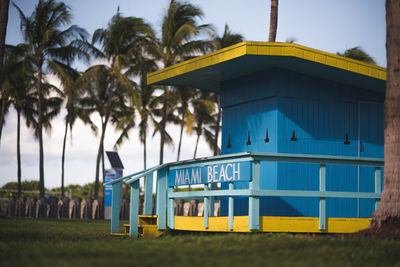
(33, 242)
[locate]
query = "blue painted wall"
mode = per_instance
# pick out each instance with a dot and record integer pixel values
(320, 113)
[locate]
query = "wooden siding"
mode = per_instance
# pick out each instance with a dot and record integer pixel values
(321, 113)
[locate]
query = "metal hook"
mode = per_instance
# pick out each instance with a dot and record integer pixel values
(293, 137)
(248, 138)
(347, 142)
(266, 140)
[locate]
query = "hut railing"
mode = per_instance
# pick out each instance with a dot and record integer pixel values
(165, 195)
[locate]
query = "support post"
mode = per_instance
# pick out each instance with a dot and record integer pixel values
(378, 184)
(230, 208)
(148, 195)
(115, 207)
(134, 210)
(213, 186)
(206, 208)
(162, 199)
(254, 201)
(171, 210)
(322, 201)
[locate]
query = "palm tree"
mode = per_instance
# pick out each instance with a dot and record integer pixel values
(74, 96)
(48, 39)
(357, 53)
(227, 39)
(122, 38)
(387, 217)
(179, 28)
(141, 62)
(18, 83)
(273, 21)
(184, 96)
(203, 107)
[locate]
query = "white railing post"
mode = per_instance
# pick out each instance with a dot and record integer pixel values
(213, 186)
(322, 201)
(378, 184)
(254, 201)
(171, 210)
(230, 208)
(162, 198)
(134, 210)
(115, 207)
(148, 195)
(205, 208)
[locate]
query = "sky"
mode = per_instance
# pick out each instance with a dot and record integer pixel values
(331, 26)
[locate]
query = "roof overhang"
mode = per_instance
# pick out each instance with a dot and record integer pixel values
(209, 71)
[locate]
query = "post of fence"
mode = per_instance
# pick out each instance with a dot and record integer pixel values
(115, 207)
(322, 201)
(378, 184)
(148, 195)
(254, 201)
(230, 208)
(171, 210)
(162, 198)
(134, 210)
(205, 208)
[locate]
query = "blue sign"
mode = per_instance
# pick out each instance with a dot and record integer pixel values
(213, 173)
(109, 176)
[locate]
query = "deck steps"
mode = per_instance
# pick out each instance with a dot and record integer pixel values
(120, 234)
(147, 227)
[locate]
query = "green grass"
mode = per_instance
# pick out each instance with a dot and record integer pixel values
(33, 242)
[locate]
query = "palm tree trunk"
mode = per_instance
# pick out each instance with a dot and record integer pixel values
(4, 100)
(217, 123)
(195, 148)
(163, 125)
(102, 167)
(101, 145)
(180, 138)
(63, 158)
(144, 152)
(99, 154)
(389, 208)
(273, 21)
(19, 151)
(40, 132)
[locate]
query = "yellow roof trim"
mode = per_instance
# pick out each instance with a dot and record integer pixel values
(268, 49)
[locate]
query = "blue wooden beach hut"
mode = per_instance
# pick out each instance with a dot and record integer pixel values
(302, 144)
(287, 98)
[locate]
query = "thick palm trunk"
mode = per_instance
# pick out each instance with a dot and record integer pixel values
(63, 158)
(40, 133)
(273, 21)
(19, 151)
(389, 208)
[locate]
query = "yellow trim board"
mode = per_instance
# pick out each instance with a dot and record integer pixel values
(273, 224)
(268, 49)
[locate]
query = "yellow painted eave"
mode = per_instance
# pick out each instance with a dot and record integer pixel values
(268, 49)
